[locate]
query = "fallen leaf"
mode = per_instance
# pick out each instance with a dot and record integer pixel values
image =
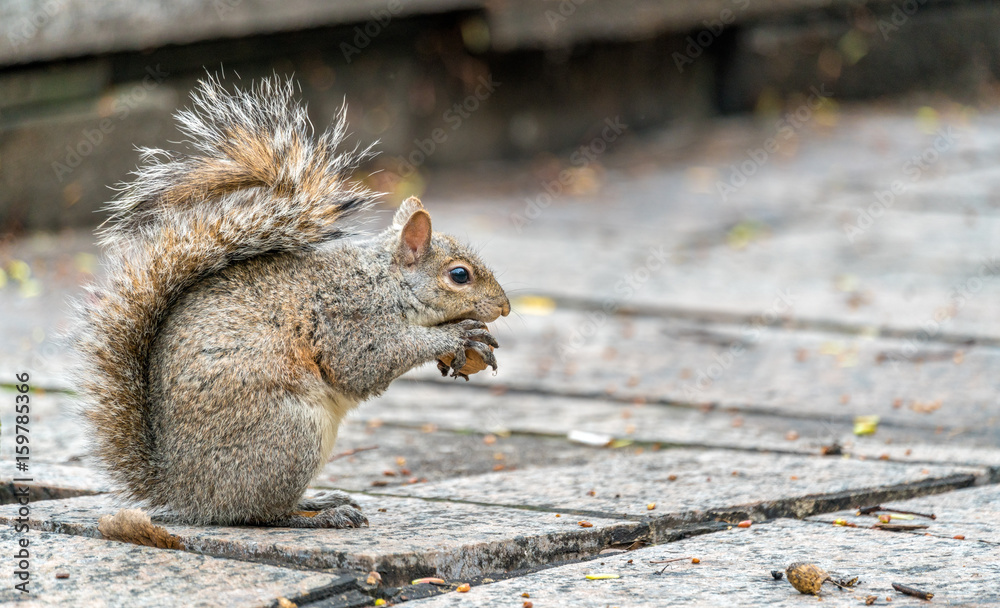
(866, 425)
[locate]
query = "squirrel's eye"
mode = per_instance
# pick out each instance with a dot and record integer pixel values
(459, 275)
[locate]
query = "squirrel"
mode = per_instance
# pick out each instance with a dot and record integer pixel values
(235, 328)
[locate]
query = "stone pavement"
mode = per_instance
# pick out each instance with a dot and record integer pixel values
(682, 357)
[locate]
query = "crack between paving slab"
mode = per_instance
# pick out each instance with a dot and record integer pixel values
(991, 472)
(636, 443)
(37, 390)
(702, 406)
(917, 533)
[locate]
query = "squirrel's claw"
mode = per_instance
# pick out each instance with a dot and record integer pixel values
(483, 335)
(344, 516)
(471, 324)
(488, 357)
(458, 362)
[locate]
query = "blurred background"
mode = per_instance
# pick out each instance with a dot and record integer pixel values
(783, 210)
(748, 244)
(84, 82)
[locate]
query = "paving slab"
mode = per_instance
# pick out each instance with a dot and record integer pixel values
(57, 434)
(695, 485)
(971, 512)
(783, 230)
(50, 481)
(477, 408)
(106, 573)
(735, 565)
(796, 373)
(409, 539)
(406, 455)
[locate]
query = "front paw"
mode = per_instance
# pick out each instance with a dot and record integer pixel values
(472, 350)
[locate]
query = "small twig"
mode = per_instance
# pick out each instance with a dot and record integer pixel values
(924, 595)
(835, 583)
(848, 584)
(873, 509)
(898, 527)
(352, 452)
(667, 561)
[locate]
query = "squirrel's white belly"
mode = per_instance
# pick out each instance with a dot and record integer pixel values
(329, 408)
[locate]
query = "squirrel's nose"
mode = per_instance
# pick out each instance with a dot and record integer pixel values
(505, 307)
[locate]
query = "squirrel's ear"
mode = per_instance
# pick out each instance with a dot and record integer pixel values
(415, 237)
(406, 209)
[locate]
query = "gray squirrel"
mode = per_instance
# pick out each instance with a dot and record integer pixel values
(224, 346)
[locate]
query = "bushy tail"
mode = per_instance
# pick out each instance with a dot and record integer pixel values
(258, 183)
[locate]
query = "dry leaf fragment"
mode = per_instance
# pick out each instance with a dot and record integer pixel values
(134, 526)
(374, 578)
(866, 425)
(284, 602)
(586, 524)
(428, 579)
(463, 588)
(601, 576)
